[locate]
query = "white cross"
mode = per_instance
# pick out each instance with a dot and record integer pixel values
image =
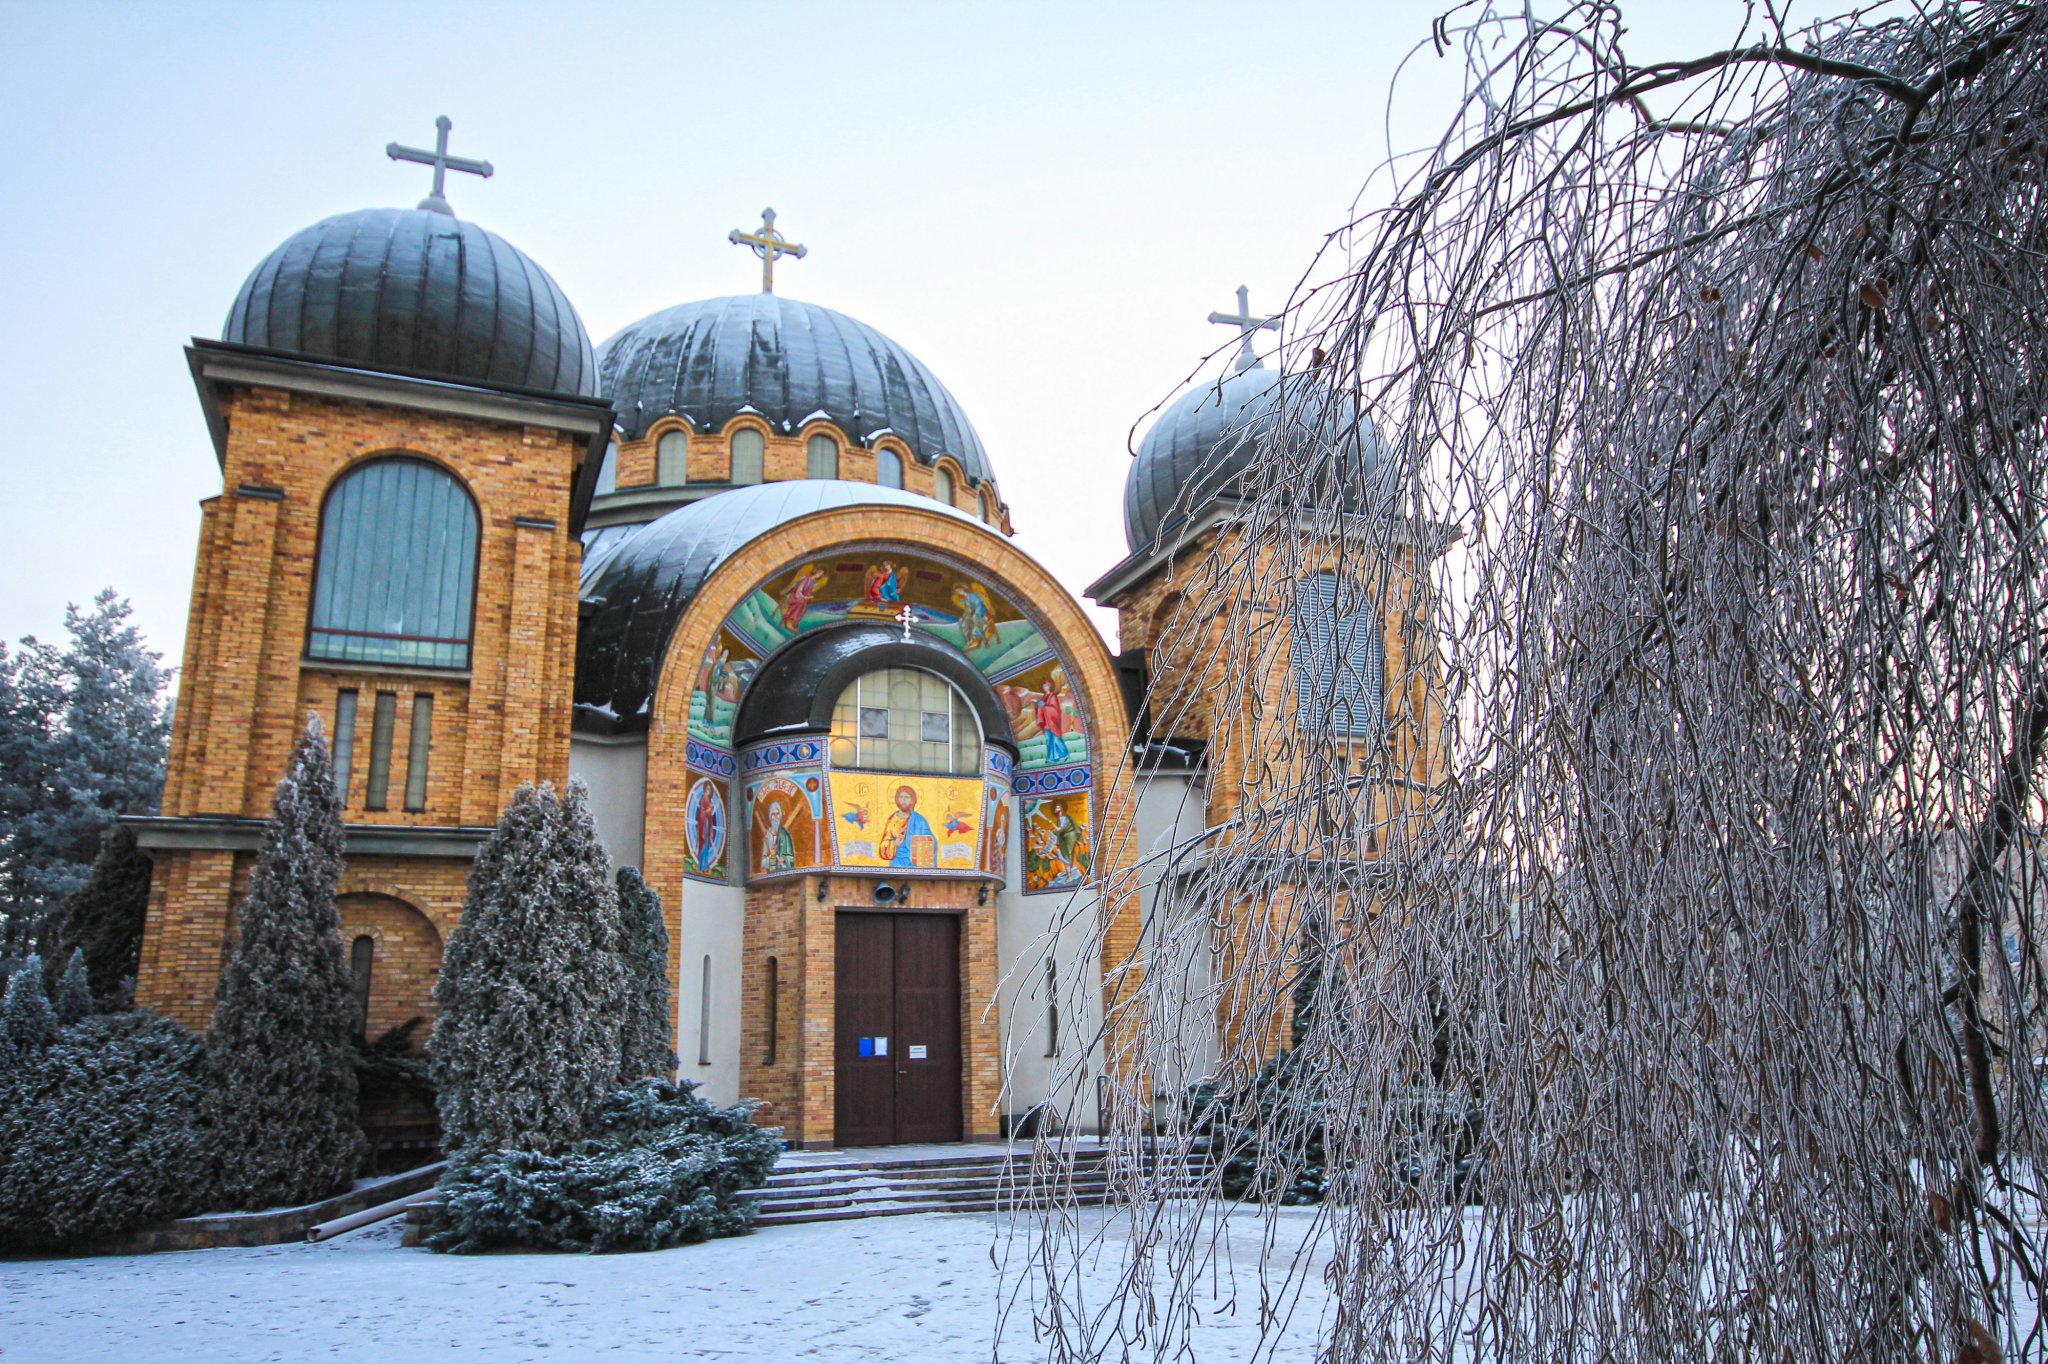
(437, 202)
(1246, 324)
(909, 618)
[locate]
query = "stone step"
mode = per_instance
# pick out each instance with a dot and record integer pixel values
(977, 1188)
(901, 1207)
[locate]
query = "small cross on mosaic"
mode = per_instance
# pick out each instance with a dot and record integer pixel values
(908, 618)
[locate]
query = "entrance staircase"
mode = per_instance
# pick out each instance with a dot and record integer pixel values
(890, 1181)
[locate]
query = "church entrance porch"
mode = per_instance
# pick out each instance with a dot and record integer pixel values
(896, 1051)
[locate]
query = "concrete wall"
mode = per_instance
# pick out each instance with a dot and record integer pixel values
(615, 770)
(712, 921)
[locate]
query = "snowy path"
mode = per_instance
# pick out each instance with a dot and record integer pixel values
(909, 1290)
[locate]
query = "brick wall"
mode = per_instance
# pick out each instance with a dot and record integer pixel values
(785, 457)
(247, 686)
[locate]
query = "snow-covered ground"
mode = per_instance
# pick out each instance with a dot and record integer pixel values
(926, 1289)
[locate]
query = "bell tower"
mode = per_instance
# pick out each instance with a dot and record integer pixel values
(404, 411)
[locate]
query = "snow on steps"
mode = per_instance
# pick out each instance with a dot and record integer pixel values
(890, 1182)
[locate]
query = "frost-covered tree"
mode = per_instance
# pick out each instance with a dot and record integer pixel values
(104, 918)
(646, 1041)
(26, 1018)
(103, 1131)
(74, 995)
(83, 734)
(282, 1042)
(532, 988)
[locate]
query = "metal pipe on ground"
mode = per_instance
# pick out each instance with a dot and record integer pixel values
(324, 1231)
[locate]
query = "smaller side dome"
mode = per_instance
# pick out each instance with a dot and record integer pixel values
(419, 292)
(1206, 441)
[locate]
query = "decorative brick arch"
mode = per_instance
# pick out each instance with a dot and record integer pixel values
(405, 962)
(1006, 569)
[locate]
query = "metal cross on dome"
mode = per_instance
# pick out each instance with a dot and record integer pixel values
(768, 244)
(907, 618)
(1246, 326)
(437, 202)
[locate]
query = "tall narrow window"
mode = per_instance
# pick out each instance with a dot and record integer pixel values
(416, 752)
(361, 955)
(942, 486)
(344, 742)
(704, 1016)
(377, 788)
(1052, 1009)
(821, 457)
(749, 448)
(774, 993)
(988, 506)
(672, 458)
(395, 578)
(608, 470)
(888, 469)
(1339, 660)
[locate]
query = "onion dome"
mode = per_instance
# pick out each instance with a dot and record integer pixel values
(1203, 445)
(417, 291)
(790, 362)
(637, 584)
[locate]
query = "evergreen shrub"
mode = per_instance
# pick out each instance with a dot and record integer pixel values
(102, 1131)
(532, 990)
(646, 1037)
(282, 1044)
(661, 1167)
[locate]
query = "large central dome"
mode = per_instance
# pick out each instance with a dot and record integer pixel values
(788, 361)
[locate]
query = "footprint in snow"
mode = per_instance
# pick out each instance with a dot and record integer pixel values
(918, 1307)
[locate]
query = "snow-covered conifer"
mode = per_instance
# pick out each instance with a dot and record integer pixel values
(105, 917)
(282, 1041)
(83, 734)
(74, 996)
(531, 994)
(29, 1021)
(646, 1042)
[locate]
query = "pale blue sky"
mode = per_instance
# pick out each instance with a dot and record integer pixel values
(1043, 202)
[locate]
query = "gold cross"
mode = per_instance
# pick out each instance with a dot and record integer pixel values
(767, 244)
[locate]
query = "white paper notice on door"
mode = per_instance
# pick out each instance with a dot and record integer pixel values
(881, 1046)
(916, 1052)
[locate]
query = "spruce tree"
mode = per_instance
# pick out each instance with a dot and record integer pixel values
(105, 917)
(83, 736)
(281, 1046)
(25, 1014)
(74, 995)
(646, 1036)
(531, 994)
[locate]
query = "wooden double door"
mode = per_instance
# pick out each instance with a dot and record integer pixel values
(897, 1042)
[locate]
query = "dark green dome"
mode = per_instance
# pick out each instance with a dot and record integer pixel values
(416, 292)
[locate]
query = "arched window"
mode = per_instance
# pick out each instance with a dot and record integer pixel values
(888, 469)
(906, 720)
(821, 457)
(942, 486)
(395, 577)
(361, 954)
(749, 447)
(1340, 661)
(608, 469)
(672, 458)
(988, 506)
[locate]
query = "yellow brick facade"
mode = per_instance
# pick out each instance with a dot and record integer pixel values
(247, 684)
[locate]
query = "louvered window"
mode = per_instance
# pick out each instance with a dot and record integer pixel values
(396, 576)
(1340, 661)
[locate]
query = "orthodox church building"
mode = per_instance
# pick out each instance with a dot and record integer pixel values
(747, 571)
